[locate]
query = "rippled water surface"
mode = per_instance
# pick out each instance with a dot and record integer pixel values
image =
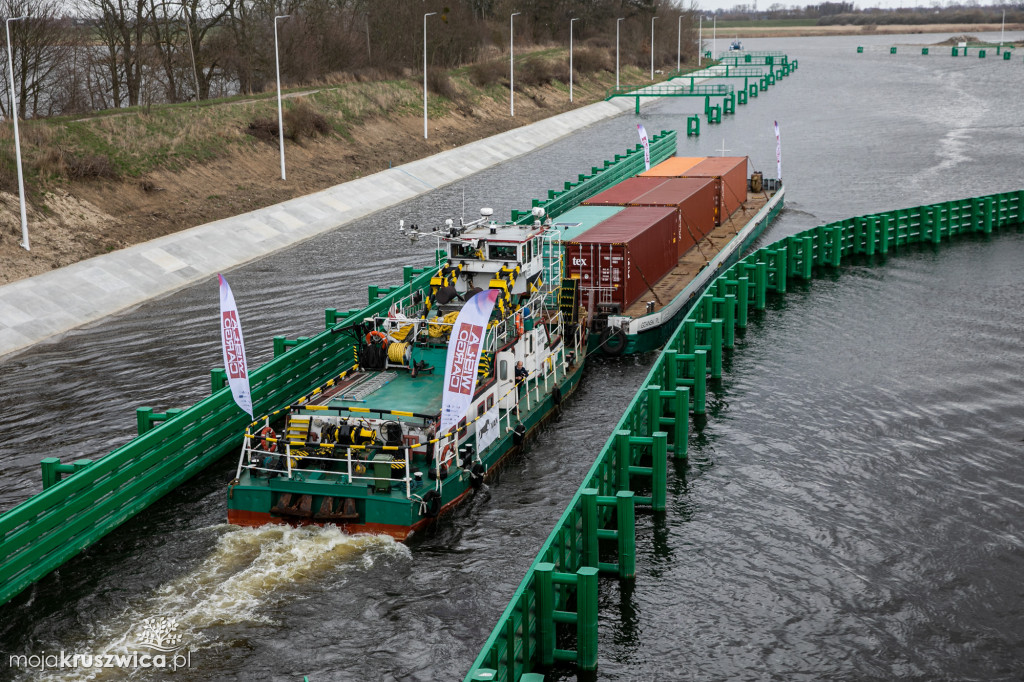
(852, 509)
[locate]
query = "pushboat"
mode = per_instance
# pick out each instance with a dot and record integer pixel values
(364, 450)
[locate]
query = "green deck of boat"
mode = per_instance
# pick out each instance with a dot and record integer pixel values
(405, 393)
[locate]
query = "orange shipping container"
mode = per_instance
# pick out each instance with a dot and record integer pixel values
(673, 167)
(731, 175)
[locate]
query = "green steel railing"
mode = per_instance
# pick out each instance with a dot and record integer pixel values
(656, 424)
(718, 89)
(84, 500)
(662, 145)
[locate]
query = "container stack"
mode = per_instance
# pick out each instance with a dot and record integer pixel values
(728, 172)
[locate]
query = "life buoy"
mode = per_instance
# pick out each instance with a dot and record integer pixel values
(431, 504)
(370, 336)
(519, 324)
(268, 439)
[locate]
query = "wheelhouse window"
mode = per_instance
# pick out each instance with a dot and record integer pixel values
(502, 252)
(462, 250)
(503, 370)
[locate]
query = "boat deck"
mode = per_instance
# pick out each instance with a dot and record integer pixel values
(669, 286)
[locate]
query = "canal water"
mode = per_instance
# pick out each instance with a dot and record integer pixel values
(851, 509)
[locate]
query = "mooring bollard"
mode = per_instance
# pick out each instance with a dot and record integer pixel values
(753, 90)
(729, 104)
(892, 50)
(981, 54)
(924, 50)
(715, 114)
(860, 49)
(956, 51)
(741, 96)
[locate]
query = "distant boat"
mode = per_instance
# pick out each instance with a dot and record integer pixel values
(736, 45)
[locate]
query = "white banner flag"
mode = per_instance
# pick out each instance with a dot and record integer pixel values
(487, 429)
(647, 145)
(234, 348)
(464, 347)
(778, 151)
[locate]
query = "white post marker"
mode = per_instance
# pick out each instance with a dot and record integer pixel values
(425, 72)
(617, 21)
(778, 151)
(714, 36)
(17, 139)
(280, 114)
(570, 58)
(652, 46)
(511, 64)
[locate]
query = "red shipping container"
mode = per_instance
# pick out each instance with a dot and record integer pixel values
(624, 192)
(694, 200)
(623, 256)
(731, 174)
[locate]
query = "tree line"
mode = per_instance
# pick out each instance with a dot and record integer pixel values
(76, 56)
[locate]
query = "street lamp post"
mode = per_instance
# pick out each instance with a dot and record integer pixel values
(679, 43)
(700, 38)
(617, 21)
(511, 65)
(17, 140)
(570, 57)
(652, 47)
(425, 72)
(280, 113)
(714, 36)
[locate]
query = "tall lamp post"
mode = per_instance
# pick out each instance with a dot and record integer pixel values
(17, 140)
(280, 112)
(714, 36)
(425, 72)
(570, 57)
(617, 22)
(511, 65)
(679, 43)
(652, 47)
(700, 38)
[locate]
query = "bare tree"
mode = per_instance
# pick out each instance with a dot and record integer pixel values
(39, 45)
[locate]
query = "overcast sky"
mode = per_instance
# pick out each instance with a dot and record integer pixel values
(765, 4)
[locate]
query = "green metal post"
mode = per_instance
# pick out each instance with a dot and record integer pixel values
(780, 269)
(884, 241)
(588, 500)
(729, 324)
(671, 369)
(760, 285)
(681, 437)
(700, 365)
(544, 594)
(659, 471)
(331, 316)
(50, 475)
(143, 419)
(623, 457)
(625, 513)
(653, 408)
(988, 215)
(716, 350)
(870, 246)
(808, 261)
(742, 301)
(690, 334)
(936, 221)
(279, 347)
(218, 379)
(586, 623)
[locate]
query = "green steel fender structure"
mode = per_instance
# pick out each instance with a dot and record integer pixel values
(559, 594)
(83, 501)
